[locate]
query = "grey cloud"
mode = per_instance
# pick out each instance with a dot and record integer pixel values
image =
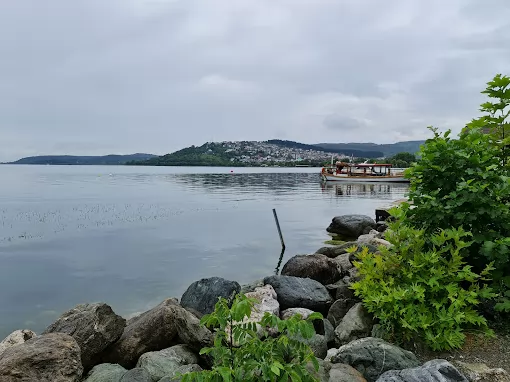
(342, 123)
(101, 76)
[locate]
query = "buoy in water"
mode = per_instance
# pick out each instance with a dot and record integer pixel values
(231, 171)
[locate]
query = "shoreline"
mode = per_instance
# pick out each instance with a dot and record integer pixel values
(103, 343)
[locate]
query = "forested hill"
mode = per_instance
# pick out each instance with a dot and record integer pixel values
(83, 160)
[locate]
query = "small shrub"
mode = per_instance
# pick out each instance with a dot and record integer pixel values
(263, 351)
(418, 292)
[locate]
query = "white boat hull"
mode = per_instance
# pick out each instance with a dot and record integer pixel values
(364, 179)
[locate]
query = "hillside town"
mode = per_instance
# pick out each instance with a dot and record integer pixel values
(261, 152)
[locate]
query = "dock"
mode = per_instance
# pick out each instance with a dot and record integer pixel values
(381, 213)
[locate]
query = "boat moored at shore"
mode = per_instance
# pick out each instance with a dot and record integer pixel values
(362, 172)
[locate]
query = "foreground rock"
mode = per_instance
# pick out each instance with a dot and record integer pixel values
(316, 267)
(136, 375)
(344, 373)
(93, 326)
(202, 295)
(373, 356)
(341, 290)
(181, 371)
(351, 226)
(338, 311)
(437, 370)
(16, 338)
(480, 372)
(157, 329)
(166, 362)
(339, 372)
(373, 238)
(357, 323)
(47, 358)
(296, 292)
(105, 372)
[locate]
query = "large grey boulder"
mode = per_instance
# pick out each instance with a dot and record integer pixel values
(149, 331)
(373, 356)
(16, 338)
(316, 267)
(166, 362)
(47, 358)
(136, 375)
(437, 370)
(338, 311)
(203, 294)
(480, 372)
(157, 329)
(351, 226)
(105, 372)
(296, 292)
(357, 323)
(93, 326)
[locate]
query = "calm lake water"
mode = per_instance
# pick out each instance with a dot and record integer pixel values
(133, 236)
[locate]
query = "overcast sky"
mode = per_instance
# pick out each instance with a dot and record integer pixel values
(124, 76)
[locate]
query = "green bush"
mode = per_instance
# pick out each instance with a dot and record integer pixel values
(421, 286)
(263, 351)
(465, 182)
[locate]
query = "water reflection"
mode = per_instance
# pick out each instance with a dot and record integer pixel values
(364, 189)
(277, 182)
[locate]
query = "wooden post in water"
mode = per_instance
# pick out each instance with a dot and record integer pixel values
(279, 229)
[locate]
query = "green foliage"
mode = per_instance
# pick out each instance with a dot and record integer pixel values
(249, 351)
(496, 111)
(421, 286)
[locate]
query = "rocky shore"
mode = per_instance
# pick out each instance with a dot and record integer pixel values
(91, 343)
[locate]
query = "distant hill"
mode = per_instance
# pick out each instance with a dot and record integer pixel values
(371, 152)
(389, 149)
(83, 160)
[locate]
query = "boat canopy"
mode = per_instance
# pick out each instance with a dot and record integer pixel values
(345, 164)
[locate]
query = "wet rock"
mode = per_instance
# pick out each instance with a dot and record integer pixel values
(373, 356)
(296, 292)
(382, 226)
(338, 310)
(106, 372)
(46, 358)
(316, 267)
(357, 323)
(136, 375)
(93, 326)
(166, 362)
(16, 338)
(203, 295)
(437, 370)
(480, 372)
(351, 226)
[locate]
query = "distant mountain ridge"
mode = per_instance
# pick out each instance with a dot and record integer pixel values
(388, 149)
(111, 159)
(212, 153)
